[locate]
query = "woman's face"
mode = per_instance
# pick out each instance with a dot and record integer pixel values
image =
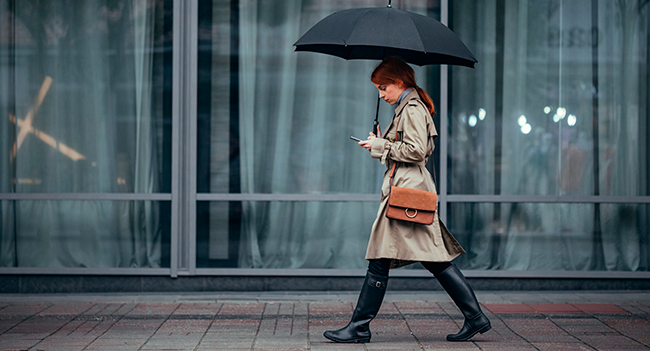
(389, 92)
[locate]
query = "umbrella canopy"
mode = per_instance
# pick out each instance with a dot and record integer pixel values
(380, 32)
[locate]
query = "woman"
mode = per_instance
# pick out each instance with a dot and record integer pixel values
(395, 243)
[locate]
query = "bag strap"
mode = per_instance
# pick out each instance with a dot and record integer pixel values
(392, 171)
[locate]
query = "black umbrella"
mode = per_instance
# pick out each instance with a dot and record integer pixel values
(380, 32)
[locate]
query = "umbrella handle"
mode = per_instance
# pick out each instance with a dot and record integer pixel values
(376, 122)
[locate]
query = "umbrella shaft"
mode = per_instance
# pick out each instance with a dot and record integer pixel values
(376, 123)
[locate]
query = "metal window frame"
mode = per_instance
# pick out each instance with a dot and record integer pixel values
(183, 187)
(421, 273)
(86, 196)
(444, 122)
(398, 273)
(184, 131)
(449, 198)
(85, 271)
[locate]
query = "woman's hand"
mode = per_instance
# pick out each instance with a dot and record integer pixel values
(367, 144)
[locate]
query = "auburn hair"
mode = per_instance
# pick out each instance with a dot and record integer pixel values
(393, 70)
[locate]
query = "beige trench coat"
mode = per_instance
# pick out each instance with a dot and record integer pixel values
(406, 242)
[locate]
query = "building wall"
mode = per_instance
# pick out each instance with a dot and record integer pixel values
(177, 138)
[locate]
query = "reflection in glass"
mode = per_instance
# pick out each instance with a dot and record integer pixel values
(275, 121)
(25, 127)
(572, 237)
(85, 234)
(284, 234)
(580, 79)
(82, 96)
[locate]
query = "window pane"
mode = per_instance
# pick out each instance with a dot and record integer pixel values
(85, 234)
(85, 86)
(572, 237)
(275, 121)
(284, 234)
(558, 104)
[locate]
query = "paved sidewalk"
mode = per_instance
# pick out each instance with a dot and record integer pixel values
(296, 321)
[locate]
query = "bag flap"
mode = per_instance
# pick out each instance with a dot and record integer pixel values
(413, 198)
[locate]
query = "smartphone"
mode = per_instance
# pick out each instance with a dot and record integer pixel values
(355, 139)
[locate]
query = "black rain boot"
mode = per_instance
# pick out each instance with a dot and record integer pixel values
(454, 283)
(370, 299)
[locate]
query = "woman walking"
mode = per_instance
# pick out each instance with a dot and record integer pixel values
(393, 243)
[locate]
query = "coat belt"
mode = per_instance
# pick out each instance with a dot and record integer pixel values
(408, 164)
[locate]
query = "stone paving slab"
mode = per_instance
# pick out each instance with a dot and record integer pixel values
(595, 308)
(295, 321)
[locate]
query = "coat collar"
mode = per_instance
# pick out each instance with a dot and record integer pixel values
(412, 95)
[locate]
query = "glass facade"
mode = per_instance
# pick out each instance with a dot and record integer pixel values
(558, 108)
(85, 104)
(88, 234)
(84, 98)
(286, 234)
(551, 236)
(558, 105)
(542, 160)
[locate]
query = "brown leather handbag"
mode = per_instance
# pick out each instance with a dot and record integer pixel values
(411, 205)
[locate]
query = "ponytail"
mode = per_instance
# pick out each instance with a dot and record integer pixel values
(427, 100)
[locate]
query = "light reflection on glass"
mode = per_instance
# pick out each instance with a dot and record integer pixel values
(482, 113)
(522, 120)
(556, 118)
(472, 121)
(526, 128)
(26, 127)
(572, 120)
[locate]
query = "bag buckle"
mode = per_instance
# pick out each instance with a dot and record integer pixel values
(408, 215)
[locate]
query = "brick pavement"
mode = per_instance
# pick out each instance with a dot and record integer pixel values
(294, 321)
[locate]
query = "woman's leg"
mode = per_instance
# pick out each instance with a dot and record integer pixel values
(436, 267)
(455, 284)
(370, 299)
(379, 267)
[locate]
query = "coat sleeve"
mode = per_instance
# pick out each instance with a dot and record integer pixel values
(412, 146)
(380, 149)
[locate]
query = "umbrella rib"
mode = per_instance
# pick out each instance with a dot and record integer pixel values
(355, 25)
(424, 49)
